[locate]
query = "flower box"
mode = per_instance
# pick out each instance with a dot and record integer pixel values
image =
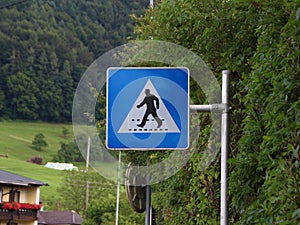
(15, 206)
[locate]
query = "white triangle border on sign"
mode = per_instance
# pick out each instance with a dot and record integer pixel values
(135, 115)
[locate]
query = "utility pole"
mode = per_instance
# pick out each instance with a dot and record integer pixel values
(151, 3)
(87, 195)
(88, 154)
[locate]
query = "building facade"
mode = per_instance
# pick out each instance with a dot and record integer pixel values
(19, 199)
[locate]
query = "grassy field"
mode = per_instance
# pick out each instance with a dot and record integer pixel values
(16, 138)
(52, 177)
(15, 143)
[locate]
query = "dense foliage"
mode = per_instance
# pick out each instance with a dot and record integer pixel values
(45, 46)
(259, 41)
(68, 153)
(94, 198)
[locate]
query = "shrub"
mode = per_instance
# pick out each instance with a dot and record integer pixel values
(36, 160)
(39, 142)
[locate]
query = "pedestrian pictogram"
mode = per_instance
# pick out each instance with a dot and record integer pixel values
(148, 114)
(147, 108)
(149, 101)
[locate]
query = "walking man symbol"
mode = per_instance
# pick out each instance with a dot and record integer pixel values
(151, 108)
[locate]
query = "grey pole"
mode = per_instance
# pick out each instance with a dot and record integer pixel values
(224, 146)
(148, 201)
(86, 170)
(151, 3)
(88, 154)
(224, 109)
(87, 195)
(118, 189)
(214, 108)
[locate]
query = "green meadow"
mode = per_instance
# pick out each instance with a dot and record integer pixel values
(52, 177)
(15, 143)
(16, 138)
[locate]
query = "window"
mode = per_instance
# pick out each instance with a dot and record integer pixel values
(14, 196)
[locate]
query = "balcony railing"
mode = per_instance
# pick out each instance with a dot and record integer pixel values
(21, 214)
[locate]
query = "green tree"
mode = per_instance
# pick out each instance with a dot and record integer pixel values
(15, 61)
(68, 153)
(22, 96)
(66, 84)
(50, 100)
(2, 103)
(103, 211)
(39, 142)
(74, 188)
(65, 132)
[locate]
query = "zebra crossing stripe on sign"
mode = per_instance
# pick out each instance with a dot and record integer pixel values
(149, 114)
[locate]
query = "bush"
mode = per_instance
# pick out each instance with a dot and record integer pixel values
(36, 160)
(68, 153)
(39, 142)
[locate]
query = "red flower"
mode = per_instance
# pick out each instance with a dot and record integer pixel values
(31, 206)
(11, 206)
(16, 206)
(7, 205)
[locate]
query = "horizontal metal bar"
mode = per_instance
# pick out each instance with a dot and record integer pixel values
(209, 108)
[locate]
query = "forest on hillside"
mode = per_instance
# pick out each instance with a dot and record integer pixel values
(45, 47)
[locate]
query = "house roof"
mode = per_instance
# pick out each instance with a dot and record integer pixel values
(59, 217)
(14, 179)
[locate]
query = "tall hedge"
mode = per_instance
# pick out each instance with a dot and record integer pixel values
(259, 42)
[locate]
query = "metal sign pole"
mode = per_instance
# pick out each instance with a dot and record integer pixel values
(118, 190)
(224, 109)
(224, 146)
(148, 201)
